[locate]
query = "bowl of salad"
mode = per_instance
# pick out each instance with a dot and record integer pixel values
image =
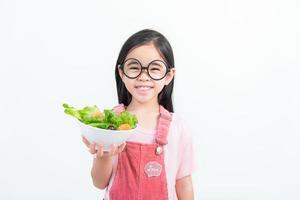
(103, 127)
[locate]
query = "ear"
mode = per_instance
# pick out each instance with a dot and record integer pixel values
(170, 76)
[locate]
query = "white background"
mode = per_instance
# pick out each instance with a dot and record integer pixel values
(237, 85)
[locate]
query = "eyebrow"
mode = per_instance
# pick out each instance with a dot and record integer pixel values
(133, 62)
(138, 61)
(157, 64)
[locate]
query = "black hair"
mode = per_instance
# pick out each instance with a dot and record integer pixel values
(163, 46)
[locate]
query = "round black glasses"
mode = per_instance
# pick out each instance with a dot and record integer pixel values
(156, 69)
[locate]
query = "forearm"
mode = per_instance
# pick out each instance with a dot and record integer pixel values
(101, 171)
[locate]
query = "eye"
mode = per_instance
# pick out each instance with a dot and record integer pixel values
(132, 65)
(155, 69)
(157, 66)
(133, 68)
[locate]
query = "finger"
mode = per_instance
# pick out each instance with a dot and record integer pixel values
(93, 148)
(121, 147)
(113, 149)
(100, 150)
(106, 152)
(85, 141)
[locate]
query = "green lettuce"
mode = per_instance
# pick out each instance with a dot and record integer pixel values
(106, 120)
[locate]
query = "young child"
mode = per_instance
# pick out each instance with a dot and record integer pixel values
(156, 163)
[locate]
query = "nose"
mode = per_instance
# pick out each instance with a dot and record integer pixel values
(144, 75)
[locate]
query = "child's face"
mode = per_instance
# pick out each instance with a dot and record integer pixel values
(145, 54)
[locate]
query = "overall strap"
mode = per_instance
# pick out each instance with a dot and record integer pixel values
(164, 121)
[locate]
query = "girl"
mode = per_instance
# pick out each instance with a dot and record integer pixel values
(156, 163)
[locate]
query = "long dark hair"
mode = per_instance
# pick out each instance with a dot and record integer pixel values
(163, 46)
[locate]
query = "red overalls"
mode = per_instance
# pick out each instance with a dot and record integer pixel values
(140, 173)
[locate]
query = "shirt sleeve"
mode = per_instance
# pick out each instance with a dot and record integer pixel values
(186, 162)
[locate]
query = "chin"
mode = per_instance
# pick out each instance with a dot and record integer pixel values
(143, 99)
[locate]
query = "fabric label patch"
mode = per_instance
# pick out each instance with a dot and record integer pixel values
(153, 168)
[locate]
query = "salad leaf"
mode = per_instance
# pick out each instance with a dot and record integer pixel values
(92, 116)
(72, 111)
(88, 114)
(126, 118)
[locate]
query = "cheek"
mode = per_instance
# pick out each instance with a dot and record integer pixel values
(129, 84)
(159, 86)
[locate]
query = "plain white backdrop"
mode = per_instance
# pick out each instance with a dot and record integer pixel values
(237, 85)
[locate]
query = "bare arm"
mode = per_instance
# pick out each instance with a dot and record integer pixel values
(101, 172)
(102, 163)
(184, 188)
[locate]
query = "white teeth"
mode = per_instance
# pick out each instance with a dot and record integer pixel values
(143, 87)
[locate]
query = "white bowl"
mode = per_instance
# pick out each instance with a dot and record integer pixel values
(105, 136)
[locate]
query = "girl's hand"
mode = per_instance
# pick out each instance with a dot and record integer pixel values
(97, 149)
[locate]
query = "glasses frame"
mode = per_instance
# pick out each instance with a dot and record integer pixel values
(146, 68)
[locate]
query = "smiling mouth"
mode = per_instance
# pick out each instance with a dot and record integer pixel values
(143, 87)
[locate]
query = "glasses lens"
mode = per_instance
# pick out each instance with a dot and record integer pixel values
(132, 68)
(157, 69)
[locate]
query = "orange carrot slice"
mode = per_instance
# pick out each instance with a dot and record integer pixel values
(98, 114)
(124, 127)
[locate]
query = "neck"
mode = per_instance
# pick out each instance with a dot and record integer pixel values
(138, 107)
